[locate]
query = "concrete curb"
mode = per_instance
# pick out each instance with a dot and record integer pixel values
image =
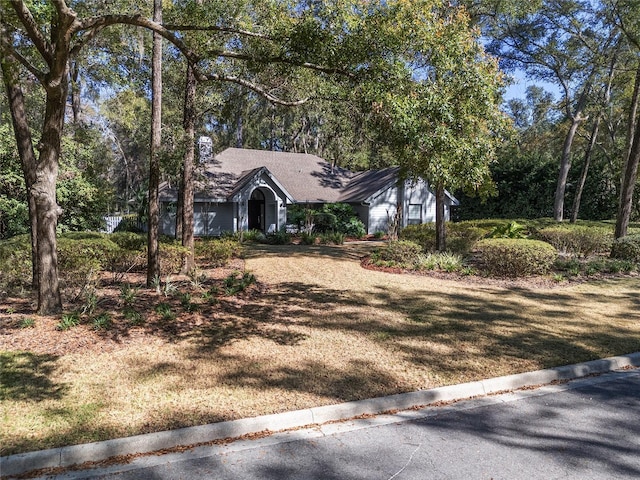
(91, 452)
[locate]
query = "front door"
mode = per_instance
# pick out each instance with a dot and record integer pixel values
(256, 211)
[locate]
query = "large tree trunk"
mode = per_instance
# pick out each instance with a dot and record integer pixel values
(27, 155)
(585, 170)
(187, 170)
(565, 166)
(43, 189)
(47, 209)
(153, 257)
(632, 157)
(441, 232)
(630, 176)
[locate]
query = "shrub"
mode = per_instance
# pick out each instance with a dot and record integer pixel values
(165, 312)
(27, 323)
(15, 261)
(461, 237)
(400, 251)
(217, 252)
(280, 237)
(617, 266)
(129, 223)
(509, 230)
(237, 282)
(448, 262)
(172, 257)
(353, 228)
(129, 240)
(324, 222)
(68, 321)
(515, 257)
(252, 235)
(423, 234)
(81, 258)
(308, 238)
(332, 238)
(627, 248)
(578, 240)
(127, 261)
(102, 322)
(571, 266)
(133, 317)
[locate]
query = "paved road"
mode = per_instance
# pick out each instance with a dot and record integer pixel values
(588, 429)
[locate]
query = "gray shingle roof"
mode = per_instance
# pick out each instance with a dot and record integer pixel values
(307, 178)
(367, 184)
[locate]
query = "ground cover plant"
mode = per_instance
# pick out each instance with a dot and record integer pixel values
(286, 327)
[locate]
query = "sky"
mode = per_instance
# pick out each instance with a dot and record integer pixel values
(520, 84)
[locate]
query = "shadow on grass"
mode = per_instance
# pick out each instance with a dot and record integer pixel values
(457, 337)
(340, 384)
(26, 376)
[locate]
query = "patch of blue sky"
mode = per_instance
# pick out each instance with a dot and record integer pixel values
(519, 83)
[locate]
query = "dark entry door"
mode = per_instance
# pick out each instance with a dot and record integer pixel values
(256, 211)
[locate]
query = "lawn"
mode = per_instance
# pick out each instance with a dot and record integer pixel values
(315, 329)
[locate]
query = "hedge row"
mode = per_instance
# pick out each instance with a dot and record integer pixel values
(82, 256)
(578, 240)
(507, 257)
(627, 248)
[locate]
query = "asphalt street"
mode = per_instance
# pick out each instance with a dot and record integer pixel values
(585, 429)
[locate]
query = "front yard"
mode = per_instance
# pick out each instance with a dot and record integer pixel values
(315, 329)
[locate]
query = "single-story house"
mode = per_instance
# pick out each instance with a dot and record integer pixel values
(244, 189)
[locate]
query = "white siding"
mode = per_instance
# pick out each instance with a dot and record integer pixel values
(381, 209)
(418, 193)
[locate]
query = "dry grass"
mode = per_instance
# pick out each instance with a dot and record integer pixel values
(321, 330)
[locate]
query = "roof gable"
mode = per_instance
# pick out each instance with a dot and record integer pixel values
(251, 175)
(307, 178)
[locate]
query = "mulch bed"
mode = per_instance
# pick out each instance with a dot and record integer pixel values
(44, 337)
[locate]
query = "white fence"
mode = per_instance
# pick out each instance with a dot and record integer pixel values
(112, 222)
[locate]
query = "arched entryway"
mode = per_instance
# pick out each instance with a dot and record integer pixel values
(256, 211)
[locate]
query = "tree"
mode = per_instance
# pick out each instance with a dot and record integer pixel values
(525, 166)
(627, 16)
(443, 121)
(153, 257)
(564, 42)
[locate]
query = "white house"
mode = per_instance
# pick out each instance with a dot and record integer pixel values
(243, 189)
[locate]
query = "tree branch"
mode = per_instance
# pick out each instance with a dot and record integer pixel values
(7, 50)
(216, 28)
(44, 47)
(97, 23)
(193, 57)
(204, 77)
(279, 59)
(86, 38)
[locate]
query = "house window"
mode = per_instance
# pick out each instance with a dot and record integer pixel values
(414, 215)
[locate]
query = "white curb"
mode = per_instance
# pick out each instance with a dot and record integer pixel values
(92, 452)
